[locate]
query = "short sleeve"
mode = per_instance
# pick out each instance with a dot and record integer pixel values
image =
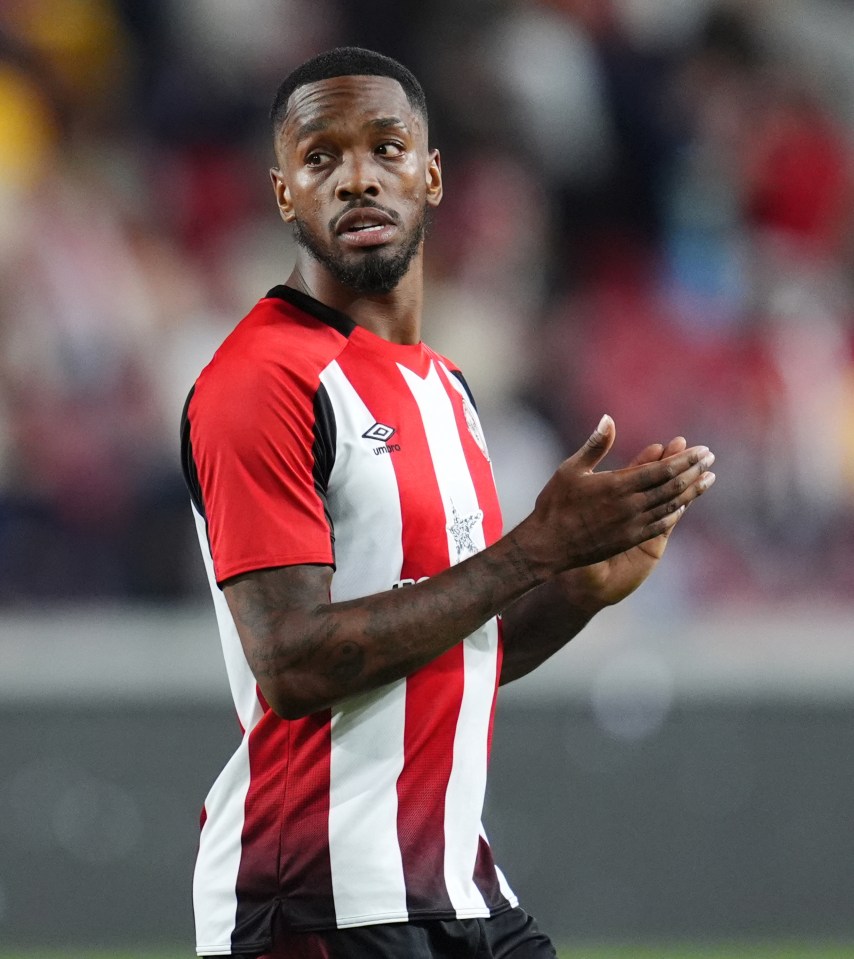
(256, 454)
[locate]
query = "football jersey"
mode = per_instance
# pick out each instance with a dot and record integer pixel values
(309, 439)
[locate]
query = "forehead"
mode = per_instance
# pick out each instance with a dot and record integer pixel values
(341, 101)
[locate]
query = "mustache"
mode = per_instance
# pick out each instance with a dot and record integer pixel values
(363, 205)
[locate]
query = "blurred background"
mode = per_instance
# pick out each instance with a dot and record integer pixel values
(648, 211)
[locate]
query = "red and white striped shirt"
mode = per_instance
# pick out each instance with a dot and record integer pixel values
(308, 439)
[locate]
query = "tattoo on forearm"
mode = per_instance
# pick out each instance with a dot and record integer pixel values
(321, 651)
(346, 661)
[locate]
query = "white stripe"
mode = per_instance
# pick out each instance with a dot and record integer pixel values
(365, 503)
(467, 782)
(367, 731)
(503, 885)
(506, 891)
(240, 677)
(449, 462)
(458, 386)
(367, 750)
(220, 846)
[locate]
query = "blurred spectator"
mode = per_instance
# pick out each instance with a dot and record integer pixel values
(649, 212)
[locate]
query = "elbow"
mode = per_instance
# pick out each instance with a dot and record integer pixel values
(289, 701)
(288, 709)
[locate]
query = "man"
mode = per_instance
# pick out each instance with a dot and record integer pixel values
(368, 604)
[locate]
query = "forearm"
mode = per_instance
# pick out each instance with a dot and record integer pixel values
(306, 658)
(307, 653)
(537, 625)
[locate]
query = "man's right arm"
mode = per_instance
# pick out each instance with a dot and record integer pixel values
(307, 653)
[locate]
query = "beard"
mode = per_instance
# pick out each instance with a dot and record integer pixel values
(376, 270)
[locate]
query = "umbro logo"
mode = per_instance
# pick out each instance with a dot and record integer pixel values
(381, 433)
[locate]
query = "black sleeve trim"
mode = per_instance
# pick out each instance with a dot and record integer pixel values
(188, 463)
(465, 386)
(323, 451)
(308, 304)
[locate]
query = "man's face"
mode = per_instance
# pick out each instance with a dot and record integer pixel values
(356, 178)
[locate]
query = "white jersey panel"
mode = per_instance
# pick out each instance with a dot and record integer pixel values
(464, 517)
(240, 678)
(503, 885)
(363, 499)
(467, 783)
(368, 882)
(367, 731)
(220, 842)
(218, 861)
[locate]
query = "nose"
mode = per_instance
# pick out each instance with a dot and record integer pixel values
(357, 177)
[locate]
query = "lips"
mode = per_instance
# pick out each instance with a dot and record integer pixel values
(366, 226)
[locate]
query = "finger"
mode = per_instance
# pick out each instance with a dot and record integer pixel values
(650, 454)
(671, 490)
(597, 446)
(677, 445)
(651, 475)
(672, 510)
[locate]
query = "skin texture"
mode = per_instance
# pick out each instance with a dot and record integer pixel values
(355, 143)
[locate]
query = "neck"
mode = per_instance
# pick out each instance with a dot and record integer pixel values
(394, 316)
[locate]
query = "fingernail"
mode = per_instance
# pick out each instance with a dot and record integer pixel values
(603, 424)
(708, 459)
(707, 480)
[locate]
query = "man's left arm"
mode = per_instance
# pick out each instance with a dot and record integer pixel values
(545, 619)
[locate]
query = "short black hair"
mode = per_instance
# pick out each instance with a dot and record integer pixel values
(346, 62)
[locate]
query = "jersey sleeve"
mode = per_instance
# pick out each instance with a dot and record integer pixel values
(257, 455)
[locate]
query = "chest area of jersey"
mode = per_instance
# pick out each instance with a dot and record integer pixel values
(410, 453)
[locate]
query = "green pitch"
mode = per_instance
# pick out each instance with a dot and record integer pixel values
(734, 951)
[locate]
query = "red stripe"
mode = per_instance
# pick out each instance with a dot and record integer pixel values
(479, 466)
(480, 469)
(487, 498)
(434, 693)
(289, 784)
(257, 878)
(306, 877)
(485, 876)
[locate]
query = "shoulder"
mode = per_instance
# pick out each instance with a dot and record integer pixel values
(277, 351)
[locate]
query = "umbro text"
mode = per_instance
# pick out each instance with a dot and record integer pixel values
(388, 448)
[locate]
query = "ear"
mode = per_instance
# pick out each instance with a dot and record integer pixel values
(283, 195)
(434, 178)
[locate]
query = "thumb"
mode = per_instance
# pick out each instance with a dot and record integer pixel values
(597, 446)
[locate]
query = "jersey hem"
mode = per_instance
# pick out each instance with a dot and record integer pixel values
(354, 922)
(485, 912)
(224, 950)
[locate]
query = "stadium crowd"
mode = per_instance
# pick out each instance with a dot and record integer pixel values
(648, 212)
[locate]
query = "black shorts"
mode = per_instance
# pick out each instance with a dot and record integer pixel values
(512, 934)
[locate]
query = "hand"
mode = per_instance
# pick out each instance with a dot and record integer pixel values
(590, 588)
(582, 517)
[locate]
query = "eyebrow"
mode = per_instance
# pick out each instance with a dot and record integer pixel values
(311, 126)
(319, 124)
(384, 123)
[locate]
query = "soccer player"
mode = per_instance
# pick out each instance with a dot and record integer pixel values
(368, 604)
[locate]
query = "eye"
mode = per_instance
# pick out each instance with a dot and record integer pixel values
(314, 159)
(390, 149)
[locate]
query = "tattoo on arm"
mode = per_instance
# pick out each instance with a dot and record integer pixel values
(304, 649)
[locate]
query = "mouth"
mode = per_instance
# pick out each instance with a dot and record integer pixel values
(366, 226)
